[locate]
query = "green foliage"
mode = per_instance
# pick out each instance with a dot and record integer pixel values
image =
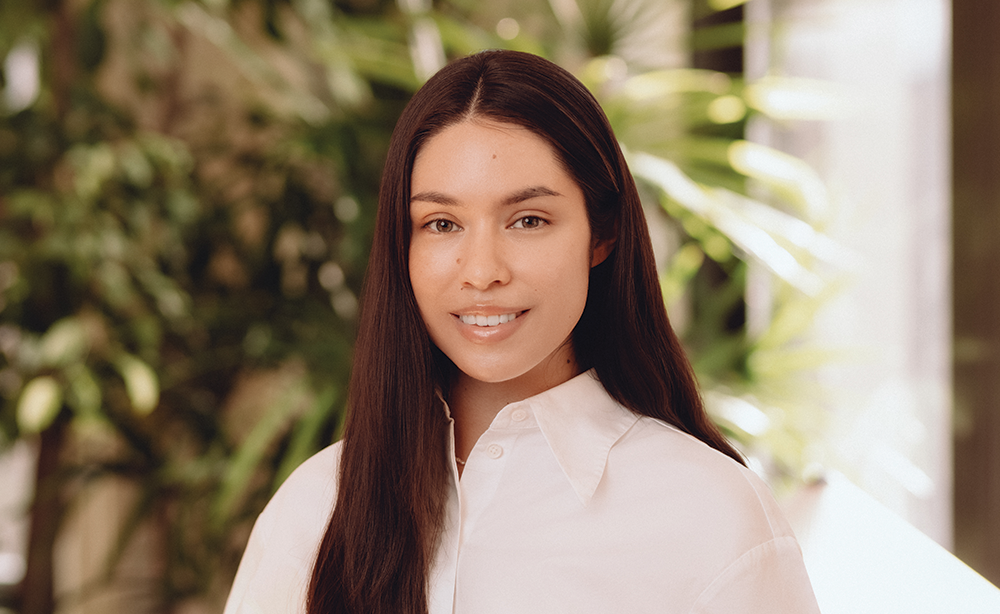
(151, 271)
(186, 209)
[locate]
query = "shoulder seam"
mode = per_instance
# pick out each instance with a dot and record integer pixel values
(763, 507)
(712, 589)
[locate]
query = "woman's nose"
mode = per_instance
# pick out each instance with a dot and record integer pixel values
(484, 262)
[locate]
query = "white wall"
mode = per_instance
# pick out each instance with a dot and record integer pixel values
(886, 161)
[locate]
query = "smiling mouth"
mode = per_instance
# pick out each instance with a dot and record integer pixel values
(487, 321)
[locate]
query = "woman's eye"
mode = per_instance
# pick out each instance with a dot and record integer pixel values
(529, 221)
(442, 226)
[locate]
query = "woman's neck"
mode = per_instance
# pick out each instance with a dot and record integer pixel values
(474, 403)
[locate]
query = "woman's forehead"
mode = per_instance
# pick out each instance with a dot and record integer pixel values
(494, 157)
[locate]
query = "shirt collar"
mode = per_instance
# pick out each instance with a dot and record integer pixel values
(581, 423)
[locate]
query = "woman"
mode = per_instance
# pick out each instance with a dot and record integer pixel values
(525, 434)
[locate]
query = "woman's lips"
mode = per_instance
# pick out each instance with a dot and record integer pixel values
(506, 324)
(490, 320)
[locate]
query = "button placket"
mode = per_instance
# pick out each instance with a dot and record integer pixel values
(480, 479)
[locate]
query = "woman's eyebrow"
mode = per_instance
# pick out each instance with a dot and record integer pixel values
(528, 194)
(433, 197)
(516, 197)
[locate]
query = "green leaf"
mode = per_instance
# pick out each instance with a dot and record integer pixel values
(655, 85)
(717, 207)
(84, 393)
(91, 41)
(725, 5)
(683, 267)
(766, 363)
(796, 99)
(136, 166)
(786, 175)
(39, 404)
(65, 342)
(141, 383)
(306, 435)
(94, 165)
(245, 461)
(721, 36)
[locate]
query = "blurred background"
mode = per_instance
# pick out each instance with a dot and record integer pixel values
(188, 189)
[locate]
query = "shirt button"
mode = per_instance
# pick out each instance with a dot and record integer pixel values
(494, 450)
(518, 415)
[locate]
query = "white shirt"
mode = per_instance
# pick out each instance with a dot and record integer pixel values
(568, 503)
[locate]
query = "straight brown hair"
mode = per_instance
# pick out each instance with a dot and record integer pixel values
(383, 532)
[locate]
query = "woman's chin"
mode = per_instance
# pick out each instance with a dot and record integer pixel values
(546, 373)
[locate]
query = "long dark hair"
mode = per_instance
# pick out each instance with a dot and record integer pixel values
(382, 536)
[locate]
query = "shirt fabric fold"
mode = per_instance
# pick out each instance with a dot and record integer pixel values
(568, 503)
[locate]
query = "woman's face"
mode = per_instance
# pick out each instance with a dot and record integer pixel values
(500, 253)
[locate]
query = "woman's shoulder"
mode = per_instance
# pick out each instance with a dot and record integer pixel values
(278, 559)
(311, 488)
(684, 497)
(316, 467)
(726, 496)
(297, 514)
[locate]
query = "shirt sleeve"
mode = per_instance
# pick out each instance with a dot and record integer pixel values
(276, 567)
(240, 600)
(769, 579)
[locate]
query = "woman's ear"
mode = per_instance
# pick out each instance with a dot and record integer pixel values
(600, 251)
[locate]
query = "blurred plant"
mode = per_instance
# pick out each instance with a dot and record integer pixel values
(187, 191)
(166, 246)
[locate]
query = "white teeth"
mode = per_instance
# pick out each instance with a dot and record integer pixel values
(488, 320)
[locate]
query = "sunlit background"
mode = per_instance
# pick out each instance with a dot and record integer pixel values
(188, 188)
